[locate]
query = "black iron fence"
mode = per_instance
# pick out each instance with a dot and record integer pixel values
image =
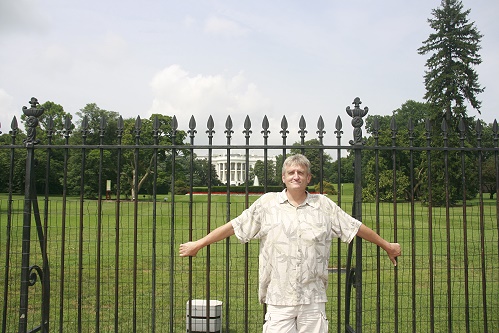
(90, 226)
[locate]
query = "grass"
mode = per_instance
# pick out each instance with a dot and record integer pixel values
(148, 252)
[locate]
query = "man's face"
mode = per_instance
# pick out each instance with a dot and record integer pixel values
(296, 177)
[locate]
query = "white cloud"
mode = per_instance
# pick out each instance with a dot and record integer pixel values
(225, 27)
(177, 92)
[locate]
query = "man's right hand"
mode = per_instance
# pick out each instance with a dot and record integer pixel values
(189, 249)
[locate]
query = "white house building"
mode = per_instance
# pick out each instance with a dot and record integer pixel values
(237, 167)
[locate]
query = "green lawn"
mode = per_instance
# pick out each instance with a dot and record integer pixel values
(145, 229)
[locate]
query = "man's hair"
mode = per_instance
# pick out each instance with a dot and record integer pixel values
(297, 159)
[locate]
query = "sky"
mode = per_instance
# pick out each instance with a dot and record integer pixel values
(218, 57)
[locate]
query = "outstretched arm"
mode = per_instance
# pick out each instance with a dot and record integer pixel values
(392, 249)
(190, 249)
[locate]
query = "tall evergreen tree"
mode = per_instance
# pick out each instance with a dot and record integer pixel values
(451, 83)
(451, 79)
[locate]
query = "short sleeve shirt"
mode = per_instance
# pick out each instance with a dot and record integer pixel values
(295, 245)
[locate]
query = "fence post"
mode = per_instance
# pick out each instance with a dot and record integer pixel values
(30, 273)
(355, 275)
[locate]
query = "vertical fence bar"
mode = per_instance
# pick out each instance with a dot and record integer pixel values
(447, 225)
(13, 134)
(394, 129)
(320, 132)
(482, 226)
(495, 129)
(284, 133)
(136, 157)
(84, 132)
(302, 125)
(99, 230)
(358, 241)
(462, 131)
(339, 286)
(192, 133)
(430, 226)
(247, 131)
(119, 133)
(412, 180)
(265, 132)
(173, 253)
(44, 233)
(44, 272)
(155, 133)
(378, 250)
(210, 132)
(66, 133)
(228, 134)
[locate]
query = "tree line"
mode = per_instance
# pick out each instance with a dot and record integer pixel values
(96, 126)
(151, 168)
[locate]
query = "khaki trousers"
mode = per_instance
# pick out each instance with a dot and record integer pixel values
(306, 318)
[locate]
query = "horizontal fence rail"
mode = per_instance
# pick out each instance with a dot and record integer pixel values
(92, 214)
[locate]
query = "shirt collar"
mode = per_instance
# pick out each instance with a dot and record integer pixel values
(283, 198)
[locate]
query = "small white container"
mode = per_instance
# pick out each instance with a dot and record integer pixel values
(199, 321)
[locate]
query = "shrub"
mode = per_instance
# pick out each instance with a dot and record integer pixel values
(327, 188)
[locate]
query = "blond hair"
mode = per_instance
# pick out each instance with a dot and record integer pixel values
(297, 159)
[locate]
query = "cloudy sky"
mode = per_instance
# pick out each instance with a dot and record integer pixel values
(220, 58)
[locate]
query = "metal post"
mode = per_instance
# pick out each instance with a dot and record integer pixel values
(29, 272)
(357, 114)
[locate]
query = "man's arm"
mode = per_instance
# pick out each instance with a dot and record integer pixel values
(392, 249)
(190, 249)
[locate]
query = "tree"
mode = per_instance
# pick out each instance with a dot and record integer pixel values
(95, 115)
(93, 126)
(489, 165)
(19, 162)
(259, 171)
(50, 122)
(489, 177)
(143, 171)
(313, 156)
(396, 128)
(101, 126)
(451, 82)
(451, 79)
(390, 128)
(200, 173)
(52, 111)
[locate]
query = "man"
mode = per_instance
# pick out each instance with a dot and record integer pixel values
(295, 229)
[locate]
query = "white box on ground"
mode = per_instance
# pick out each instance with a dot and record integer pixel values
(198, 319)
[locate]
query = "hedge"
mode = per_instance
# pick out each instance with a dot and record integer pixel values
(241, 189)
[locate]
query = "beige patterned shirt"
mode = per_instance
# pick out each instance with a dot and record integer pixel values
(295, 245)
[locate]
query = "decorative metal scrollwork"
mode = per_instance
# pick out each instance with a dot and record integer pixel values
(35, 272)
(32, 122)
(357, 114)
